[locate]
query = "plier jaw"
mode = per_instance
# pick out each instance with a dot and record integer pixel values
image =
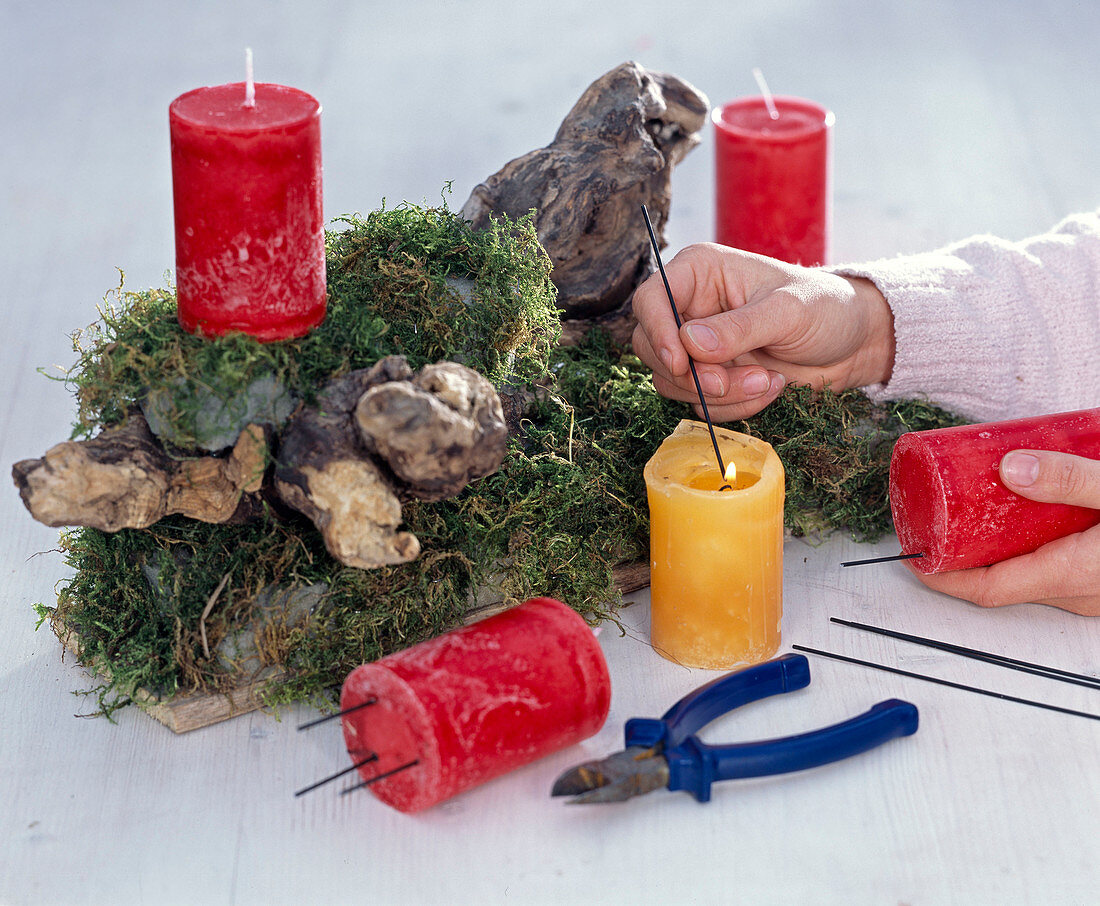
(667, 754)
(631, 772)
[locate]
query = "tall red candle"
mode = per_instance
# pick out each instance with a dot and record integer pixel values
(950, 505)
(246, 184)
(476, 702)
(773, 179)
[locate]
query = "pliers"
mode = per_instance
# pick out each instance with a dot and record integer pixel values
(666, 754)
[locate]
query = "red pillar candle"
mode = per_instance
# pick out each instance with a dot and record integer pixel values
(475, 703)
(773, 180)
(246, 184)
(950, 505)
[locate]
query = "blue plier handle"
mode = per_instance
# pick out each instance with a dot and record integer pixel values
(666, 751)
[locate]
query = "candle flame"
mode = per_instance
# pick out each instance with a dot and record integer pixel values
(249, 82)
(731, 472)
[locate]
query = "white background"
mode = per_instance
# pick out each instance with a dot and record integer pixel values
(952, 118)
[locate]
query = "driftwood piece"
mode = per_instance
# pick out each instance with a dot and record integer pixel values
(379, 435)
(325, 472)
(614, 151)
(373, 438)
(124, 479)
(438, 432)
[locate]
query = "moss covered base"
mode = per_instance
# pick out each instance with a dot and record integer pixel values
(185, 607)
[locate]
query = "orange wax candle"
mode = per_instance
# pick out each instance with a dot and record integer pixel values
(716, 556)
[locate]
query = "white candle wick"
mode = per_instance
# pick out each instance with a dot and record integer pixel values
(249, 82)
(768, 102)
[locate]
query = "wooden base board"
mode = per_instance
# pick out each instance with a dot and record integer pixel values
(182, 713)
(179, 713)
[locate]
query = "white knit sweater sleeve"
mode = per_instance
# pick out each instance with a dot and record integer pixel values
(992, 329)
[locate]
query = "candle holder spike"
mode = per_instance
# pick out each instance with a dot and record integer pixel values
(328, 717)
(309, 789)
(382, 776)
(889, 559)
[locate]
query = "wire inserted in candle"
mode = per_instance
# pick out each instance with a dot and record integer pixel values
(328, 717)
(309, 789)
(383, 776)
(882, 559)
(694, 374)
(773, 111)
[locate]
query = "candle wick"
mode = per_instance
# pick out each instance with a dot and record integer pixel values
(773, 111)
(249, 82)
(691, 364)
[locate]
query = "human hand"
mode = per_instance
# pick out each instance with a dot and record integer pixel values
(753, 324)
(1063, 573)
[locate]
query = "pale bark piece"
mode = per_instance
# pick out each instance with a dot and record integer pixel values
(438, 432)
(122, 478)
(614, 151)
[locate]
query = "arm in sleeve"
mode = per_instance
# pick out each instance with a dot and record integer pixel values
(992, 329)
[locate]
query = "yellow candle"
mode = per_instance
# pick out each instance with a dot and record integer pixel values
(716, 556)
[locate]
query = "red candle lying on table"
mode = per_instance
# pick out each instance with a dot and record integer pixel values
(773, 181)
(476, 702)
(948, 501)
(246, 185)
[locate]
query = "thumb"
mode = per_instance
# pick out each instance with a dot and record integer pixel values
(729, 334)
(1051, 477)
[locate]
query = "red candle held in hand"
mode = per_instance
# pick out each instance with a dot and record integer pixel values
(476, 702)
(949, 503)
(773, 180)
(246, 183)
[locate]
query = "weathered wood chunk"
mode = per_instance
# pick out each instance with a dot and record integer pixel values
(124, 479)
(371, 439)
(438, 432)
(326, 473)
(614, 151)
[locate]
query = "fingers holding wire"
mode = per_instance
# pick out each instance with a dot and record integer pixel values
(731, 393)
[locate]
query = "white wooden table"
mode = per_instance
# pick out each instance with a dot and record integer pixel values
(952, 118)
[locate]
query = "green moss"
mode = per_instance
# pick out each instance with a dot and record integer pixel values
(392, 279)
(836, 449)
(566, 507)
